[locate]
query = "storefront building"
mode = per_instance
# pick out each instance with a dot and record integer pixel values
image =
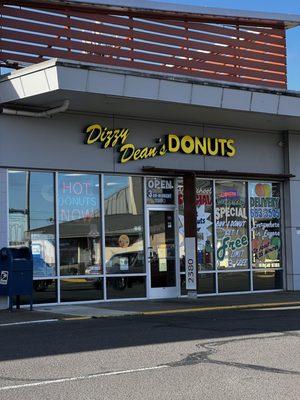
(146, 180)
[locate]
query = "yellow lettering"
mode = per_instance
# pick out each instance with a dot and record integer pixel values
(136, 154)
(93, 130)
(103, 135)
(162, 150)
(127, 151)
(173, 143)
(200, 144)
(232, 149)
(108, 139)
(187, 144)
(212, 152)
(152, 152)
(124, 135)
(222, 144)
(144, 153)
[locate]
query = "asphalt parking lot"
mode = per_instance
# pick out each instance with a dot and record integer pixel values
(225, 354)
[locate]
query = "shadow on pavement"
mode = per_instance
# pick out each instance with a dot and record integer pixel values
(65, 337)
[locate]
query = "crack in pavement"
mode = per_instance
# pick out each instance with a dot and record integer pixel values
(211, 348)
(208, 349)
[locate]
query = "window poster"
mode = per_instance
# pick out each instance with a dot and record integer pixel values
(265, 224)
(160, 190)
(232, 225)
(205, 243)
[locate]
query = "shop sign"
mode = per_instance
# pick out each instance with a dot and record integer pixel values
(232, 226)
(78, 198)
(160, 190)
(265, 224)
(190, 263)
(172, 143)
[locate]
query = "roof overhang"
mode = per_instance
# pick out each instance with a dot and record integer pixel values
(172, 10)
(135, 94)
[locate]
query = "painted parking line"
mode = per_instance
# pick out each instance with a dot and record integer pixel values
(82, 377)
(76, 318)
(39, 321)
(281, 308)
(221, 308)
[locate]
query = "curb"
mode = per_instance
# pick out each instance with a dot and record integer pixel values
(221, 308)
(190, 310)
(160, 312)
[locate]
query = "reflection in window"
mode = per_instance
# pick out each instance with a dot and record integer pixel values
(232, 225)
(265, 224)
(31, 217)
(267, 279)
(18, 208)
(81, 289)
(44, 291)
(234, 282)
(79, 224)
(124, 224)
(126, 287)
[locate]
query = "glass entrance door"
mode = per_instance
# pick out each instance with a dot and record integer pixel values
(161, 254)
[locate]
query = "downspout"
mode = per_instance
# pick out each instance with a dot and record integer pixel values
(37, 114)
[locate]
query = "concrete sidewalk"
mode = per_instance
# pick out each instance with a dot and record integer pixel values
(150, 307)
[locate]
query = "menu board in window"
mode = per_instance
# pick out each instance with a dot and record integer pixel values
(232, 225)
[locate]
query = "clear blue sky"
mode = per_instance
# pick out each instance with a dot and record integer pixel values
(285, 6)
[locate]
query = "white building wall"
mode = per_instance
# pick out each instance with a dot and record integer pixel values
(292, 212)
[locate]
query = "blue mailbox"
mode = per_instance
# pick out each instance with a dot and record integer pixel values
(16, 273)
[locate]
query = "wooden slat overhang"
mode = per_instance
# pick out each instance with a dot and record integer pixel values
(232, 49)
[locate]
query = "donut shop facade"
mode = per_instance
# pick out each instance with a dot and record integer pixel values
(133, 183)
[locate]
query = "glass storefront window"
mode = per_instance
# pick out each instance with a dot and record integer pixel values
(206, 283)
(267, 279)
(32, 218)
(18, 208)
(232, 225)
(124, 225)
(265, 224)
(79, 224)
(32, 222)
(234, 282)
(81, 289)
(126, 287)
(44, 291)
